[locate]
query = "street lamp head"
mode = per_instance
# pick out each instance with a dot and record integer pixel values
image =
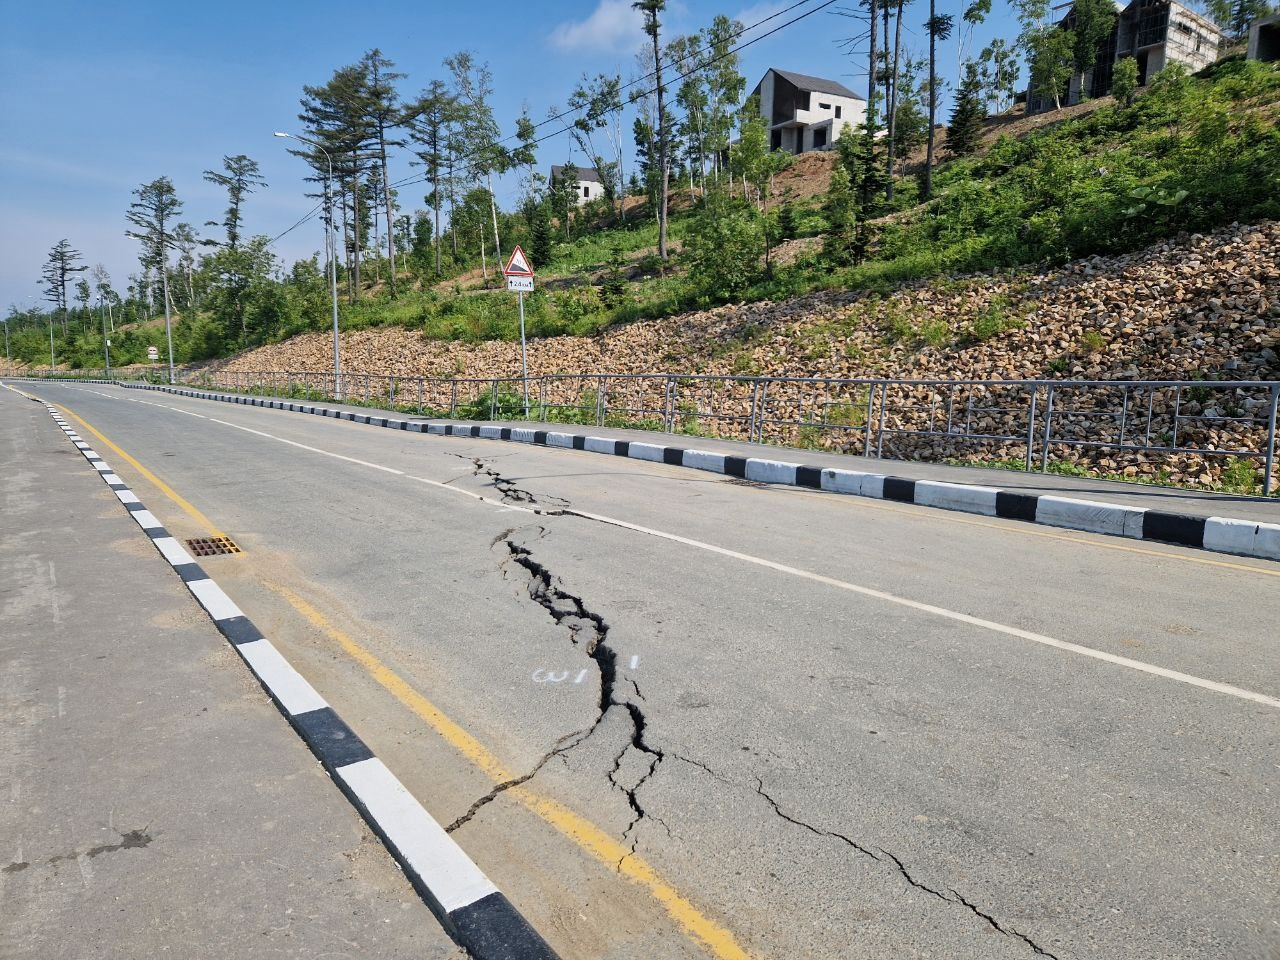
(279, 134)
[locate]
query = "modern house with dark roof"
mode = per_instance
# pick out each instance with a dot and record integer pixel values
(587, 186)
(806, 113)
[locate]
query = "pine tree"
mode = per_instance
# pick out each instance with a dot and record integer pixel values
(152, 213)
(239, 177)
(965, 130)
(63, 260)
(429, 119)
(841, 244)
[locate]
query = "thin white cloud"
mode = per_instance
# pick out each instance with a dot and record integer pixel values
(613, 27)
(758, 11)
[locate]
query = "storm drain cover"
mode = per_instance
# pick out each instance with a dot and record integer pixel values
(212, 546)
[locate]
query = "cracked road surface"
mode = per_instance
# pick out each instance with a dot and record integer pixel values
(687, 743)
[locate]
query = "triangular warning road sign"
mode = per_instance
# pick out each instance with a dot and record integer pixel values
(518, 265)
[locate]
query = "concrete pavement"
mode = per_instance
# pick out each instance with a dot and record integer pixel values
(892, 770)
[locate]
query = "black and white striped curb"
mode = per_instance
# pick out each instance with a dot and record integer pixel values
(469, 906)
(1246, 538)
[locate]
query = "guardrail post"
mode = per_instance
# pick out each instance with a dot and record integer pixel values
(1271, 441)
(600, 401)
(1048, 429)
(1031, 426)
(884, 407)
(669, 412)
(871, 399)
(751, 420)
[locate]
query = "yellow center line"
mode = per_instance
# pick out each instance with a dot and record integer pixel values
(714, 938)
(160, 485)
(717, 940)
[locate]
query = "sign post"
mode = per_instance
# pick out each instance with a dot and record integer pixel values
(520, 279)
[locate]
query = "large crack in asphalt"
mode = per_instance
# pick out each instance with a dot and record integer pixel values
(951, 896)
(506, 487)
(589, 631)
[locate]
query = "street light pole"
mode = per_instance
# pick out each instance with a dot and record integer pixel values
(331, 245)
(8, 357)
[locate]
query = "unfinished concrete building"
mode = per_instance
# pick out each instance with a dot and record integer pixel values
(1264, 39)
(1156, 33)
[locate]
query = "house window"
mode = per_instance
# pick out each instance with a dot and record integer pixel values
(838, 112)
(824, 106)
(586, 192)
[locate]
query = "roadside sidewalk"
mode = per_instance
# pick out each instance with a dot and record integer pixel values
(1225, 523)
(152, 799)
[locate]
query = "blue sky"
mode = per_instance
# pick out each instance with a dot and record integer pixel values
(98, 98)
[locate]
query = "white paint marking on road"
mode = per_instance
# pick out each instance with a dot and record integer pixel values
(55, 610)
(451, 876)
(582, 675)
(288, 686)
(635, 661)
(170, 548)
(211, 597)
(953, 615)
(62, 701)
(146, 519)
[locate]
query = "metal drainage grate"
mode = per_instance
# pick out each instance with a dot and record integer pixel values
(212, 546)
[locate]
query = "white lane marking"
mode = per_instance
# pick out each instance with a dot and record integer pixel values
(218, 605)
(953, 615)
(285, 683)
(943, 612)
(452, 877)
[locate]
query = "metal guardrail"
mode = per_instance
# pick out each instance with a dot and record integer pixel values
(1144, 424)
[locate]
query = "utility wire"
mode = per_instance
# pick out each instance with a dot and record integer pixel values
(420, 178)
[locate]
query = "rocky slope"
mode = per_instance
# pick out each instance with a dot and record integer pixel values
(1194, 307)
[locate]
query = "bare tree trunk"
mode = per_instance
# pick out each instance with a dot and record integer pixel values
(933, 101)
(893, 95)
(662, 143)
(355, 234)
(873, 52)
(493, 209)
(484, 263)
(435, 202)
(386, 196)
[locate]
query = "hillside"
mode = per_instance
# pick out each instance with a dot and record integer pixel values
(1181, 306)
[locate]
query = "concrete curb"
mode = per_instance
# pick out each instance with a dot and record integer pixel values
(1245, 538)
(473, 911)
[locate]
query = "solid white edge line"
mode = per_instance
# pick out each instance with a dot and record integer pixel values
(286, 684)
(954, 615)
(1114, 659)
(445, 869)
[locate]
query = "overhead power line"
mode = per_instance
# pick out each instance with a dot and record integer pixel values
(420, 178)
(702, 65)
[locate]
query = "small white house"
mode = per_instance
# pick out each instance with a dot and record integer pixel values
(587, 186)
(806, 113)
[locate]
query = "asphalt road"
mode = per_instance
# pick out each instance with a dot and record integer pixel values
(152, 801)
(763, 721)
